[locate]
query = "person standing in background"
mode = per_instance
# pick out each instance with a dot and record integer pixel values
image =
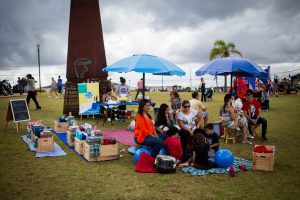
(275, 86)
(30, 93)
(202, 89)
(59, 86)
(20, 86)
(139, 88)
(53, 88)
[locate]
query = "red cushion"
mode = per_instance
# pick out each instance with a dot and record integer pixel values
(262, 149)
(145, 164)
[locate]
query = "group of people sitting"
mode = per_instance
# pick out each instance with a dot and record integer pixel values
(196, 144)
(193, 146)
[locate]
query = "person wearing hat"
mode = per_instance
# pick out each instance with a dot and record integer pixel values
(30, 93)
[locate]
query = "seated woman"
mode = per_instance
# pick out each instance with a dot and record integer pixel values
(188, 120)
(144, 131)
(175, 104)
(200, 148)
(111, 111)
(162, 121)
(231, 119)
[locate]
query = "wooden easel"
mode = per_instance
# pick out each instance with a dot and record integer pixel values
(10, 117)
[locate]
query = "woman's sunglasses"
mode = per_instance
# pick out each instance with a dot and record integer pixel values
(186, 106)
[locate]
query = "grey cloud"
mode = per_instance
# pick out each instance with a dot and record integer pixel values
(23, 24)
(266, 31)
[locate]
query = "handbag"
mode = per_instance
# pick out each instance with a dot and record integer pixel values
(165, 164)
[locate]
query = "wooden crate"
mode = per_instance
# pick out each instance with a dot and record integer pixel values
(107, 152)
(78, 144)
(45, 144)
(264, 161)
(61, 127)
(69, 140)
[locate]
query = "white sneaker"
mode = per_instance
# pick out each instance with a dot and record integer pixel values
(108, 119)
(56, 97)
(49, 96)
(246, 142)
(250, 136)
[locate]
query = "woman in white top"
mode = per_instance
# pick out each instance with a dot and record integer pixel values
(122, 90)
(188, 120)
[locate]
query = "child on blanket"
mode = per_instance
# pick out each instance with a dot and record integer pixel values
(212, 138)
(172, 143)
(200, 148)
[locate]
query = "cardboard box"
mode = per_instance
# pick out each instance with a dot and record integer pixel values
(107, 152)
(45, 144)
(69, 138)
(61, 127)
(78, 144)
(264, 161)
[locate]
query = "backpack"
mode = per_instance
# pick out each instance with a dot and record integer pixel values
(165, 164)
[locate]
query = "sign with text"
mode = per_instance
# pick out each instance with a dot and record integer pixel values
(18, 110)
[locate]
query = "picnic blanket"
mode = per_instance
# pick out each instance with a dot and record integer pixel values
(237, 161)
(57, 149)
(122, 136)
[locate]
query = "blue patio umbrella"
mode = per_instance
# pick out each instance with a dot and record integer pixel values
(231, 66)
(145, 64)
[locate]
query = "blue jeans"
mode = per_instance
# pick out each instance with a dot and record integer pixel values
(154, 142)
(263, 123)
(162, 136)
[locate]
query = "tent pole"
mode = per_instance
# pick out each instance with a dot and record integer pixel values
(143, 85)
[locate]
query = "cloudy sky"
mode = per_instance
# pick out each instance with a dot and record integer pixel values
(181, 31)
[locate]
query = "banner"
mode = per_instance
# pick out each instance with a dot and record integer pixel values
(88, 94)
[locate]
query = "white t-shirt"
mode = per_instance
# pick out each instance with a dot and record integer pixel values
(189, 121)
(31, 85)
(123, 90)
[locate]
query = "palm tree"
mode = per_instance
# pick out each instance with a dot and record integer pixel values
(223, 49)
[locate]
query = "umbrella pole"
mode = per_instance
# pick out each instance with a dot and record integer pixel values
(143, 85)
(231, 83)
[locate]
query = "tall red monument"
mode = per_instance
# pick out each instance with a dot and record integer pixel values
(86, 53)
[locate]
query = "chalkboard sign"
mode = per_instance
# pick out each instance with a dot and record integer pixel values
(19, 110)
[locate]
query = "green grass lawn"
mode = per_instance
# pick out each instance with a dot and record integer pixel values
(23, 176)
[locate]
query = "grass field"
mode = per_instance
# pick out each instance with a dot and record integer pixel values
(23, 176)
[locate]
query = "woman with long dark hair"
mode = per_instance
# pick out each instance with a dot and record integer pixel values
(144, 131)
(231, 119)
(200, 148)
(163, 121)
